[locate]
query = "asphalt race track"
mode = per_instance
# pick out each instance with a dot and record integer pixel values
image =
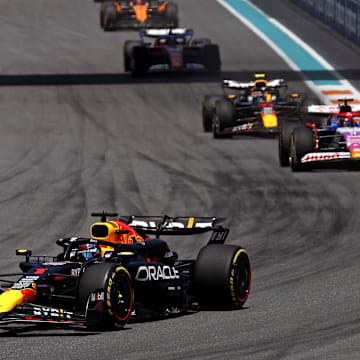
(78, 135)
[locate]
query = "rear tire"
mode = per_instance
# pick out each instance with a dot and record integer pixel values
(101, 16)
(222, 276)
(222, 118)
(302, 143)
(208, 105)
(109, 17)
(212, 60)
(114, 282)
(139, 61)
(128, 52)
(171, 14)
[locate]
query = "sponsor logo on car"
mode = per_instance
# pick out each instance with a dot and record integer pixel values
(174, 224)
(242, 127)
(59, 263)
(155, 273)
(25, 282)
(325, 156)
(97, 296)
(47, 311)
(75, 272)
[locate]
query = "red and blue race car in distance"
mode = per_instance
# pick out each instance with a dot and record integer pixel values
(253, 108)
(171, 49)
(334, 142)
(138, 14)
(125, 269)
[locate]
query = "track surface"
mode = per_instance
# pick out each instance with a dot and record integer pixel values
(110, 143)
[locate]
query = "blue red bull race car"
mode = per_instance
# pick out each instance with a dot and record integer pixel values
(125, 270)
(253, 108)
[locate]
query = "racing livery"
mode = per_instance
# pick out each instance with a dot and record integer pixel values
(335, 141)
(171, 49)
(118, 272)
(251, 108)
(137, 14)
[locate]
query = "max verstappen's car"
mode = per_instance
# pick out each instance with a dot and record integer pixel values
(137, 14)
(119, 272)
(335, 142)
(172, 49)
(251, 108)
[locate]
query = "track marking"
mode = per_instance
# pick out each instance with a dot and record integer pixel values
(294, 51)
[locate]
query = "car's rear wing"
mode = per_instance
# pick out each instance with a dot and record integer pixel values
(167, 32)
(329, 109)
(180, 225)
(171, 223)
(232, 84)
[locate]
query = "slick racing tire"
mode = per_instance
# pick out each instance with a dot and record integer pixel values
(208, 104)
(211, 59)
(111, 284)
(102, 16)
(171, 14)
(286, 130)
(109, 16)
(139, 61)
(222, 118)
(302, 143)
(222, 276)
(128, 52)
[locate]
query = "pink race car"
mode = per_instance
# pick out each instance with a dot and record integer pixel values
(337, 141)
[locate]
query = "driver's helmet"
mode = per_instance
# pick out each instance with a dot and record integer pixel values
(84, 252)
(338, 121)
(258, 96)
(356, 120)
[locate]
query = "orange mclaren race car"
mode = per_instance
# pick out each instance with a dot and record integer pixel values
(99, 282)
(254, 108)
(138, 14)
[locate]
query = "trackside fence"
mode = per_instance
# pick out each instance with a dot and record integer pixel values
(343, 15)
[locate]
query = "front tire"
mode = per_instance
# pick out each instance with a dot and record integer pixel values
(222, 276)
(302, 143)
(114, 282)
(286, 130)
(208, 105)
(222, 118)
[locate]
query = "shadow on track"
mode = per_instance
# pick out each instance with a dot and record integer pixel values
(164, 77)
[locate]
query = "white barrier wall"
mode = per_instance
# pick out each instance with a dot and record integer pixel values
(342, 15)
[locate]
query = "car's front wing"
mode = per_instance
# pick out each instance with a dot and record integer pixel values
(32, 313)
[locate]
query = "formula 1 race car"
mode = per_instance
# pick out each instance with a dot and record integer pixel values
(99, 282)
(336, 142)
(251, 108)
(172, 49)
(137, 14)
